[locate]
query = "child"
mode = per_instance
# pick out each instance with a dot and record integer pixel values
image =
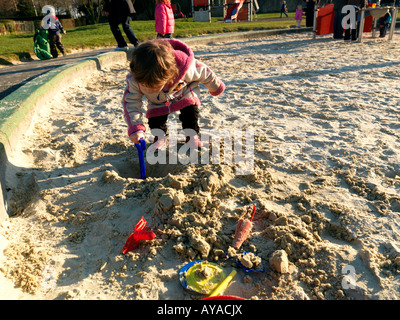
(165, 21)
(299, 15)
(120, 12)
(284, 9)
(166, 73)
(384, 24)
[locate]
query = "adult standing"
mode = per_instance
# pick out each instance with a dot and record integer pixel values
(338, 17)
(351, 33)
(310, 5)
(120, 12)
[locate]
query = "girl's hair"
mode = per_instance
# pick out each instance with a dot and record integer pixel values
(153, 63)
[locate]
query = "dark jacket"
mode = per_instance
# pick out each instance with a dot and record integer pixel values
(54, 25)
(358, 3)
(120, 8)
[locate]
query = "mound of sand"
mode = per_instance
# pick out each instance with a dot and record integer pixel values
(326, 183)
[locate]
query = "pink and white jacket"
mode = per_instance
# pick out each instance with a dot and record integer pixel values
(164, 16)
(185, 90)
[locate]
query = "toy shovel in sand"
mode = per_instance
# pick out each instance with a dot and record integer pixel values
(141, 146)
(243, 229)
(141, 232)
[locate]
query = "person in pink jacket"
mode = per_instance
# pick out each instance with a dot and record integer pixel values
(165, 21)
(299, 15)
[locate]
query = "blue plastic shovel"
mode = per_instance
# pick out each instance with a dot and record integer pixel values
(141, 146)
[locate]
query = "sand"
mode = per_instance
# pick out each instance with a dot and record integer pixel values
(325, 182)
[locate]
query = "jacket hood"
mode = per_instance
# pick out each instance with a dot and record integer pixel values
(184, 56)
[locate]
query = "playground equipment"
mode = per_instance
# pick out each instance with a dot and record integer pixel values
(238, 10)
(324, 18)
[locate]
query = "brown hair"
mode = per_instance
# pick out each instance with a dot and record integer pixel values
(153, 63)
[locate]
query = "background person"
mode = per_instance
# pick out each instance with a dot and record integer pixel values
(310, 5)
(351, 33)
(284, 9)
(384, 24)
(54, 28)
(120, 12)
(298, 16)
(338, 17)
(164, 18)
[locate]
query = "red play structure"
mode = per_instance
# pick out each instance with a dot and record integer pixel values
(233, 10)
(326, 17)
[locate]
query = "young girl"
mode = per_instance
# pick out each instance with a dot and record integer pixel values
(298, 16)
(166, 73)
(164, 17)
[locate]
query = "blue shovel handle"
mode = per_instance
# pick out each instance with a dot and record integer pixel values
(141, 146)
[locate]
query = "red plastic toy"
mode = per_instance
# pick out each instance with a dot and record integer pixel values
(141, 232)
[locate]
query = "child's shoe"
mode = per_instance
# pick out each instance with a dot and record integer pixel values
(194, 142)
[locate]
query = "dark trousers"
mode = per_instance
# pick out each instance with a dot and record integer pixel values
(353, 33)
(114, 22)
(189, 116)
(337, 24)
(310, 15)
(167, 35)
(55, 42)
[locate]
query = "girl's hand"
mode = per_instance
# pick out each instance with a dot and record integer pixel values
(136, 136)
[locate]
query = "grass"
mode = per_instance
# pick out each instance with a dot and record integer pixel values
(20, 46)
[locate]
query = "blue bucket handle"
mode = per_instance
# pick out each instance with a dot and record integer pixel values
(141, 146)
